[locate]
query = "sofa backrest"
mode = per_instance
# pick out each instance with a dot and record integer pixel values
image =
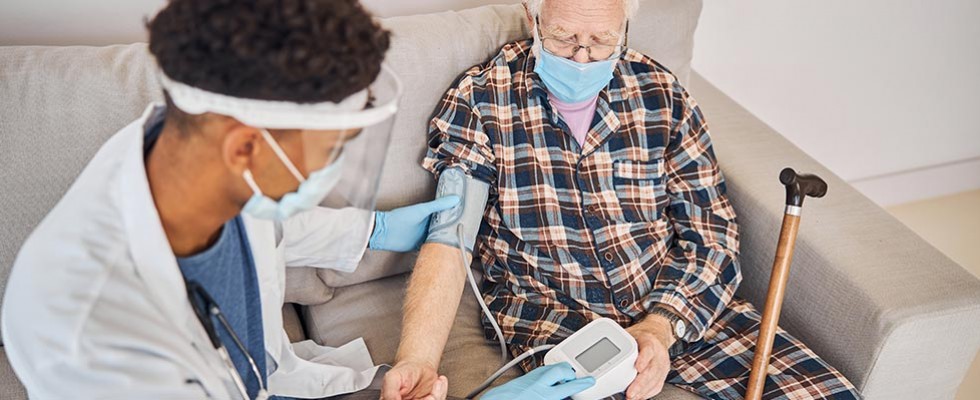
(59, 104)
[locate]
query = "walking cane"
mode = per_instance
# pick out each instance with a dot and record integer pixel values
(798, 186)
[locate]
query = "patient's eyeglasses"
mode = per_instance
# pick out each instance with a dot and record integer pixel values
(568, 49)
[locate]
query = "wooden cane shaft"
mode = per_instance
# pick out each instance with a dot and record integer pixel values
(774, 304)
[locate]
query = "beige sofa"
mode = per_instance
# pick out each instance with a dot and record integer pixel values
(897, 317)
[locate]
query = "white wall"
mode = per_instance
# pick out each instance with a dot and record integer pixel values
(388, 8)
(884, 92)
(71, 22)
(102, 22)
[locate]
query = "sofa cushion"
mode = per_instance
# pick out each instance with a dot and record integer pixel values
(430, 51)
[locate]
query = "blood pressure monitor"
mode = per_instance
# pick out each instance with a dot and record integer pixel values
(603, 350)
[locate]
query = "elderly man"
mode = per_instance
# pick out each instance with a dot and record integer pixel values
(600, 196)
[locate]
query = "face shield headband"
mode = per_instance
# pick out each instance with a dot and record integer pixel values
(356, 111)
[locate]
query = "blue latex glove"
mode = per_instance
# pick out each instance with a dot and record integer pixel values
(404, 229)
(550, 382)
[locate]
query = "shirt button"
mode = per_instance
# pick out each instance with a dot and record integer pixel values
(608, 256)
(623, 303)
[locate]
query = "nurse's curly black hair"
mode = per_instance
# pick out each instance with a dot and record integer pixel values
(289, 50)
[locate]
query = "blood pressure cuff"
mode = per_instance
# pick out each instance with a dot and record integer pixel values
(473, 194)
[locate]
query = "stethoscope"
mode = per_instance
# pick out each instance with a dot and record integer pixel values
(205, 307)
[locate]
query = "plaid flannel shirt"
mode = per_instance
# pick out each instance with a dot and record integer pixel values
(636, 218)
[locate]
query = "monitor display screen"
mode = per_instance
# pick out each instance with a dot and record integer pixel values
(597, 354)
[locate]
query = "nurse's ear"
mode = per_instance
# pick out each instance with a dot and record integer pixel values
(240, 147)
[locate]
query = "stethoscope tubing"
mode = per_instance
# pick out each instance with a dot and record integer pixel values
(193, 288)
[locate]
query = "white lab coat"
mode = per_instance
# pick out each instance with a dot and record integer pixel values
(96, 307)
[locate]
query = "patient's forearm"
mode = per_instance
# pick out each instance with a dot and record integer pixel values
(433, 296)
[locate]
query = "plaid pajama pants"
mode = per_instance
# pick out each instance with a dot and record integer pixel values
(717, 367)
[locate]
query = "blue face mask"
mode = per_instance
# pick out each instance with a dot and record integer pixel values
(310, 193)
(571, 81)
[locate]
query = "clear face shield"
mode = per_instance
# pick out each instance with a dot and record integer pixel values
(343, 144)
(359, 163)
(351, 146)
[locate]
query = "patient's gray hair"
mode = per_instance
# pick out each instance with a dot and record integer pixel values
(629, 7)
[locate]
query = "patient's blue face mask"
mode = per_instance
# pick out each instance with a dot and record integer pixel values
(310, 193)
(571, 81)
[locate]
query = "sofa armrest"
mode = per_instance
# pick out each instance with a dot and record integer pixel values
(375, 265)
(866, 293)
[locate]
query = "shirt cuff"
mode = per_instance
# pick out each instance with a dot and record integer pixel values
(680, 306)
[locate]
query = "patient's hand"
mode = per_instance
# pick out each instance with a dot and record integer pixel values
(413, 380)
(654, 337)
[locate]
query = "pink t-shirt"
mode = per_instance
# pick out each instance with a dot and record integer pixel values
(578, 116)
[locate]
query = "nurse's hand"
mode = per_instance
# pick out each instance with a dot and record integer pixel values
(550, 382)
(404, 229)
(653, 338)
(410, 380)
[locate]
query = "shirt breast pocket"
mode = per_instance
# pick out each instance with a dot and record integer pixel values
(640, 188)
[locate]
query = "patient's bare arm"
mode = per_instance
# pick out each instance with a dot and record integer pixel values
(431, 302)
(433, 296)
